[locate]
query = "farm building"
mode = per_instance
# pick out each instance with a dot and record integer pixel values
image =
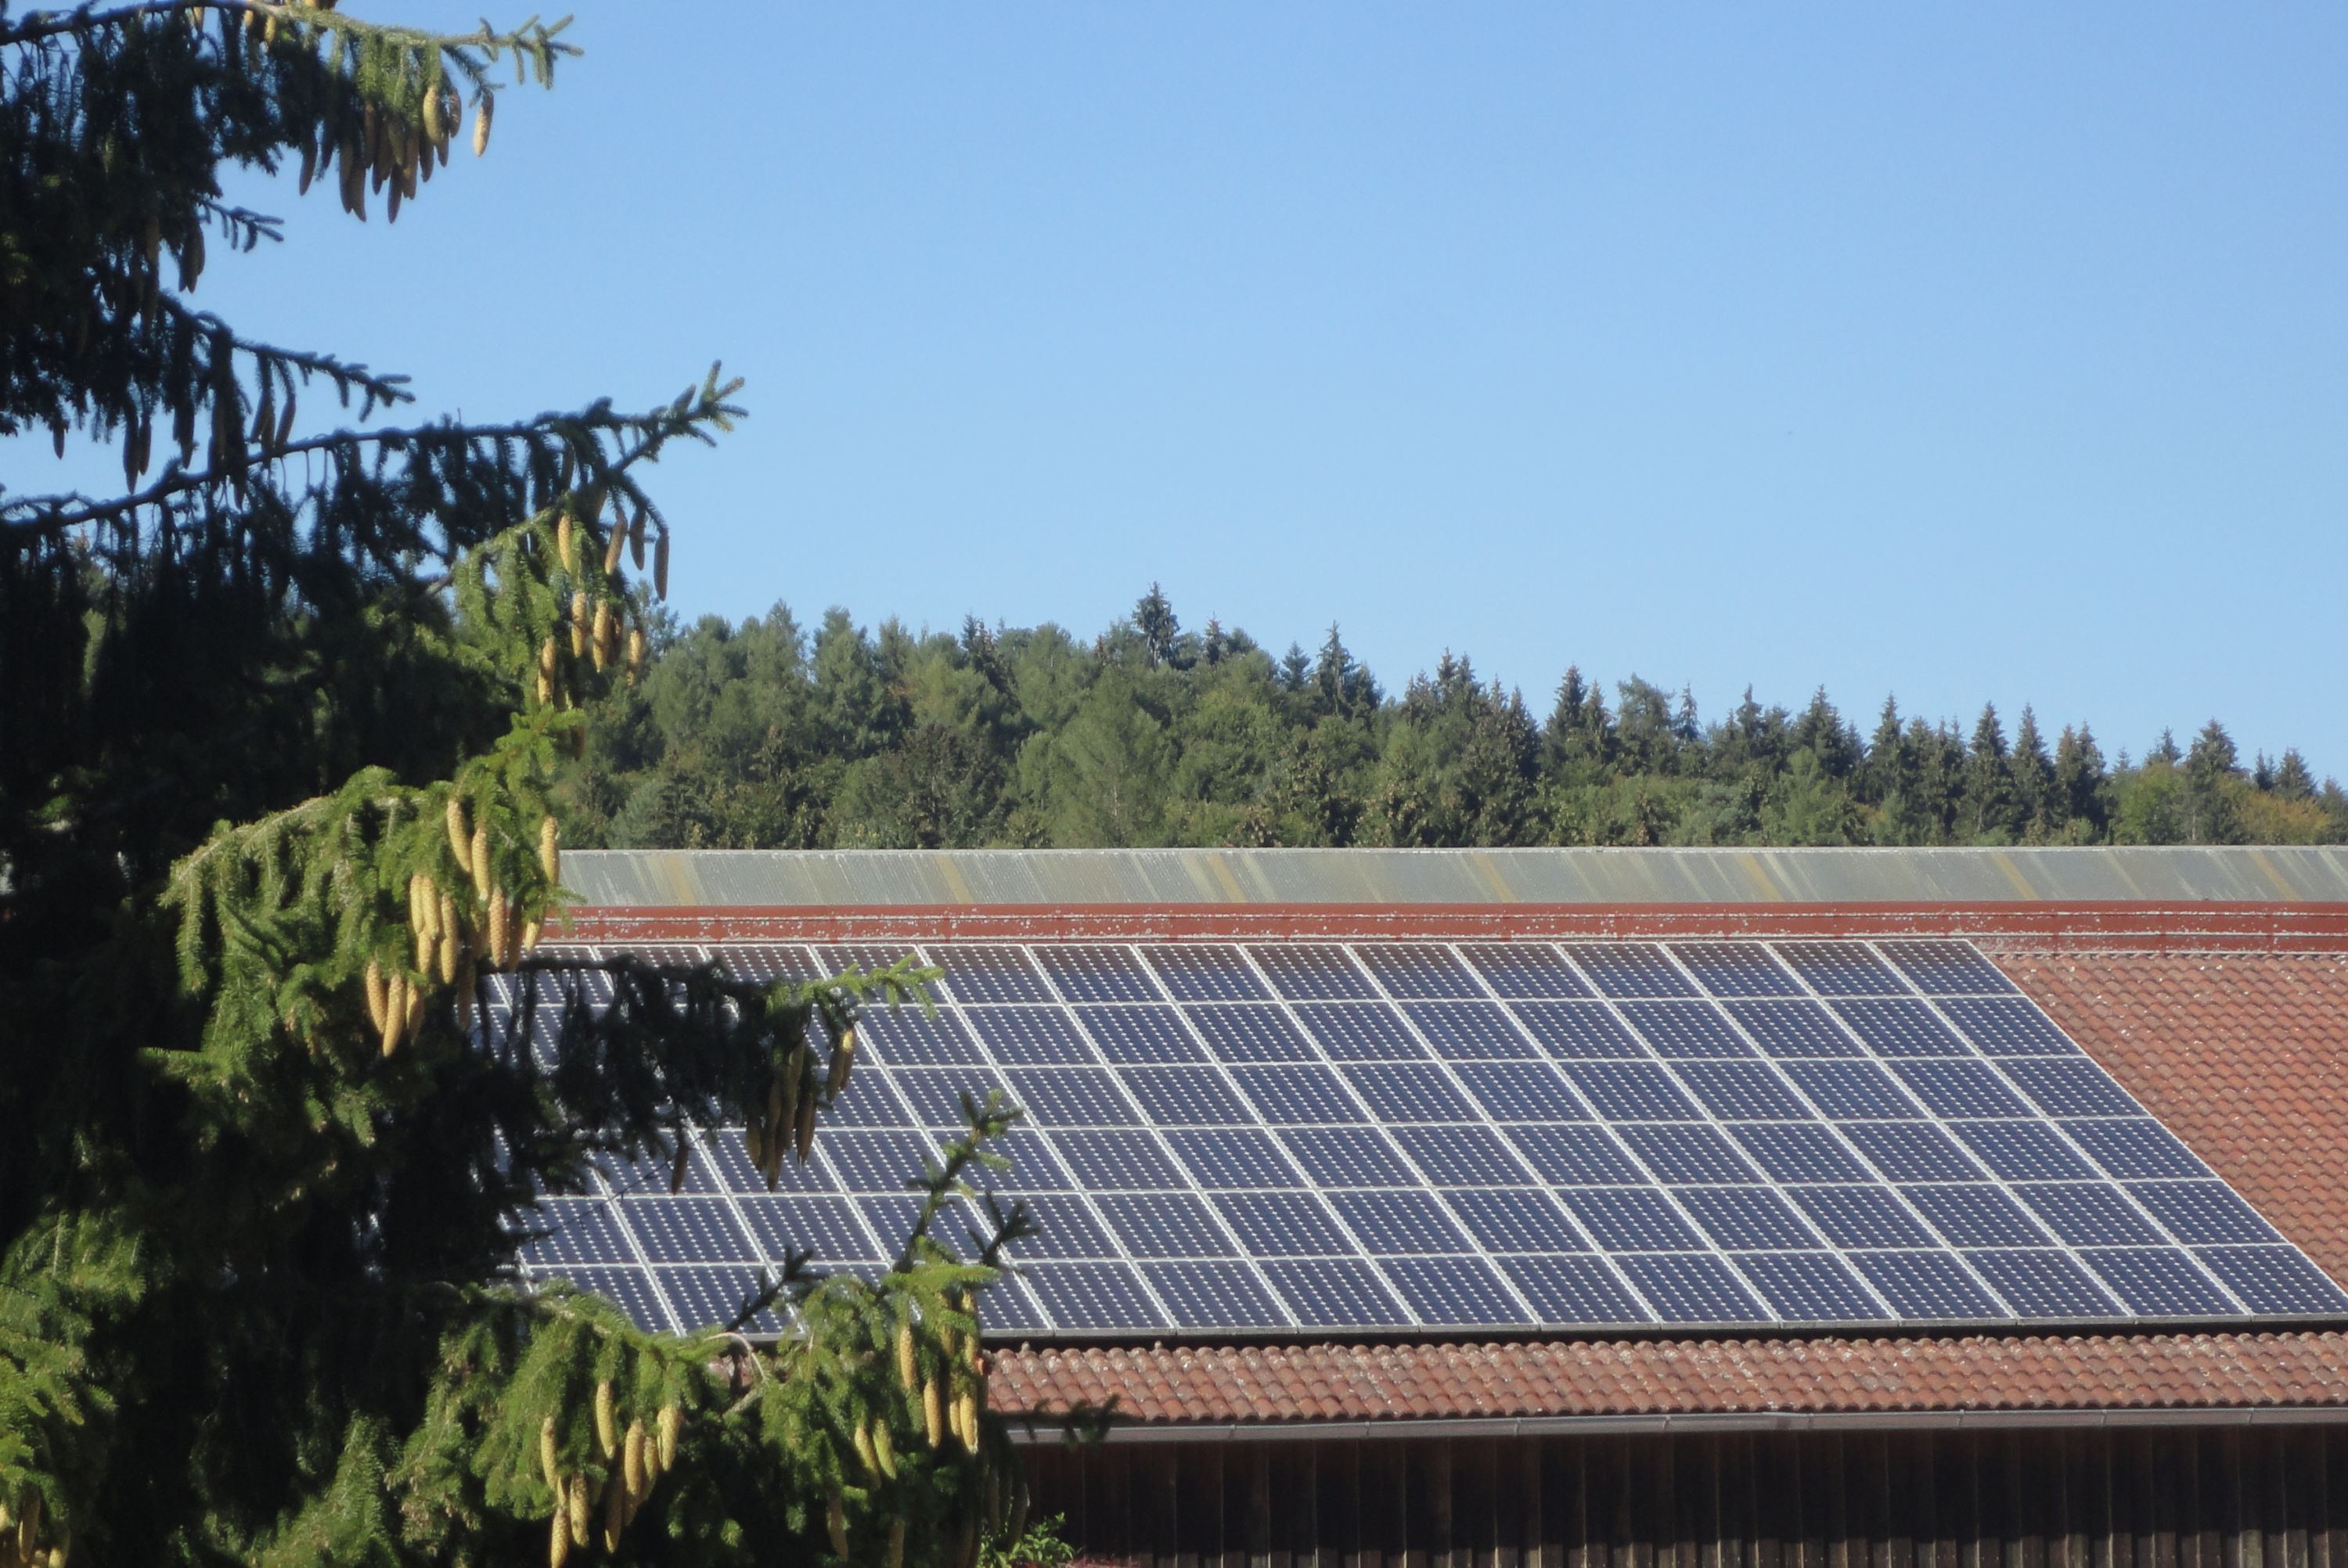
(1610, 1208)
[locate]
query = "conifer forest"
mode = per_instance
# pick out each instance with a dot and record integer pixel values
(766, 736)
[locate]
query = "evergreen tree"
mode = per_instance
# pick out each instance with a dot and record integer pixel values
(2081, 788)
(2033, 772)
(1153, 618)
(1990, 812)
(1821, 732)
(280, 728)
(2292, 781)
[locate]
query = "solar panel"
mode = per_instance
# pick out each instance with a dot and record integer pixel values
(1326, 1135)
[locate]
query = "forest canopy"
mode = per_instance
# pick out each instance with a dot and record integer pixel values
(765, 735)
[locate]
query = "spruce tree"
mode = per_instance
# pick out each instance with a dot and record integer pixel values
(283, 1062)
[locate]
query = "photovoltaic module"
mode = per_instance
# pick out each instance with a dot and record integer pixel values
(1390, 1135)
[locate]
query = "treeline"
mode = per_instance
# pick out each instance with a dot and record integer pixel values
(761, 736)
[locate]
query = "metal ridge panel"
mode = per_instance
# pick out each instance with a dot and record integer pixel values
(903, 879)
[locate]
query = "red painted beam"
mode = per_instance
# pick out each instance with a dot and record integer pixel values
(2137, 927)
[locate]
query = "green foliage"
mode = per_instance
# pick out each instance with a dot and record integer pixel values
(1040, 1545)
(1155, 735)
(281, 734)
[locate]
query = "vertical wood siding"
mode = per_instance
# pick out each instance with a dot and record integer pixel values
(2272, 1497)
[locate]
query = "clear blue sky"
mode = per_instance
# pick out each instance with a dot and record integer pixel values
(1993, 351)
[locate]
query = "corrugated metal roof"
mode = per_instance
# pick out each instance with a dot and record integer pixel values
(902, 879)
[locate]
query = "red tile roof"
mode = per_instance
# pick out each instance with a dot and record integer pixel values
(2244, 1057)
(1651, 1377)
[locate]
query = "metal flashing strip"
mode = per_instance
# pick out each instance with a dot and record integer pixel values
(1031, 1431)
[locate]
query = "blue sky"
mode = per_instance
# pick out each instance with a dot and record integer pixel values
(1984, 352)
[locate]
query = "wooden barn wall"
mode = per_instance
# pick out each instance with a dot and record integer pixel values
(2272, 1497)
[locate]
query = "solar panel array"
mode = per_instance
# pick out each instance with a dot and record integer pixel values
(1400, 1135)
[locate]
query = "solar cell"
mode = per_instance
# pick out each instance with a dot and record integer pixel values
(1685, 1028)
(1743, 1219)
(1312, 972)
(1250, 1032)
(935, 1095)
(1945, 969)
(759, 963)
(2044, 1283)
(906, 1037)
(1976, 1214)
(1629, 968)
(2202, 1212)
(1849, 1091)
(2021, 1151)
(1736, 969)
(1926, 1285)
(1417, 970)
(1065, 1227)
(2009, 1027)
(1742, 1092)
(1299, 1094)
(1187, 1096)
(1524, 969)
(1912, 1151)
(1797, 1151)
(688, 1230)
(1031, 1036)
(2137, 1147)
(1630, 1219)
(2273, 1278)
(1568, 1291)
(1071, 1097)
(1140, 1034)
(2084, 1213)
(631, 1288)
(1460, 1031)
(1692, 1287)
(875, 1100)
(1360, 1031)
(828, 1229)
(2159, 1281)
(1116, 1162)
(1582, 1155)
(577, 1231)
(1860, 1217)
(1457, 1156)
(1955, 1089)
(1410, 1091)
(1517, 1219)
(1347, 1156)
(1679, 1151)
(2070, 1087)
(1900, 1026)
(1810, 1286)
(1464, 1292)
(1214, 1295)
(1631, 1091)
(1840, 969)
(988, 974)
(1095, 1296)
(1336, 1293)
(721, 1165)
(1233, 1157)
(1518, 1091)
(1087, 974)
(1578, 1030)
(1790, 1029)
(1397, 1220)
(1166, 1225)
(1205, 973)
(1284, 1225)
(712, 1297)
